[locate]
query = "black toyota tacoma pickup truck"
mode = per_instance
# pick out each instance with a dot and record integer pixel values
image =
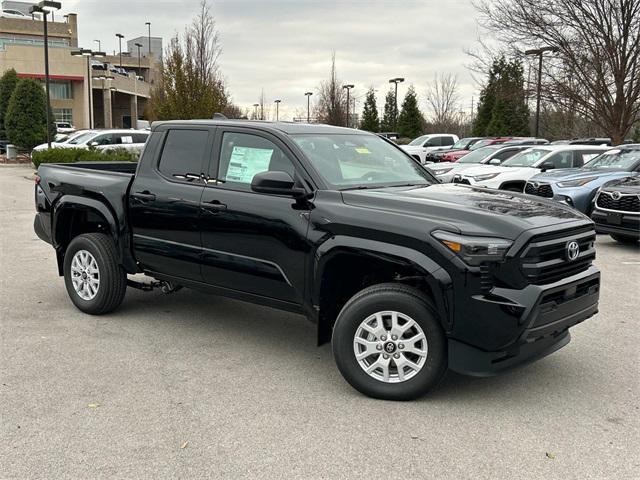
(405, 276)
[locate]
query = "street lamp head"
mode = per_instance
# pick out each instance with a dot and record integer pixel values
(348, 86)
(147, 24)
(139, 45)
(119, 35)
(49, 6)
(99, 54)
(396, 80)
(308, 94)
(277, 101)
(256, 104)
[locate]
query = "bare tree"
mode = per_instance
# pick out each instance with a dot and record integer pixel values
(596, 71)
(191, 85)
(443, 101)
(330, 108)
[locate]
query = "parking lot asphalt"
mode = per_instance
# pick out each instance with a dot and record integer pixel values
(195, 386)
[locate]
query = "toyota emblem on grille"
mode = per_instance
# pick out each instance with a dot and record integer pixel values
(573, 250)
(536, 185)
(616, 195)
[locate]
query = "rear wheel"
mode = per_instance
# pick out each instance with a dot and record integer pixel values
(626, 239)
(95, 282)
(388, 343)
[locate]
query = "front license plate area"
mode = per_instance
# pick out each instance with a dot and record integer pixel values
(614, 218)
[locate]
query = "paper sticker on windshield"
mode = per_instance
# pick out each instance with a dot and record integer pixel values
(246, 162)
(363, 150)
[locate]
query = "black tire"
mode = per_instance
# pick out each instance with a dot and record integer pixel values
(626, 239)
(390, 297)
(113, 278)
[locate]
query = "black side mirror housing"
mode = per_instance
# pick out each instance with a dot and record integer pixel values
(276, 183)
(547, 166)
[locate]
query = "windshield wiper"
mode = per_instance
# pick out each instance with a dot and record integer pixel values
(374, 187)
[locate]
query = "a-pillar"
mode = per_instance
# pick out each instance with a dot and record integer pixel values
(106, 108)
(134, 111)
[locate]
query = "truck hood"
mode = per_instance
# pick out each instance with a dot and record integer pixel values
(469, 210)
(487, 169)
(567, 174)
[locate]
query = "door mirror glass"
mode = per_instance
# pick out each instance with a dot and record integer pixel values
(275, 183)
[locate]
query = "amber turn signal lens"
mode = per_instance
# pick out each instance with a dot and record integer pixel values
(456, 247)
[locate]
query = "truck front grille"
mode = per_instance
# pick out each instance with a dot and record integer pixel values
(539, 189)
(545, 259)
(622, 202)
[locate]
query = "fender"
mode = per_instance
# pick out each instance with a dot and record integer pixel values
(117, 230)
(437, 277)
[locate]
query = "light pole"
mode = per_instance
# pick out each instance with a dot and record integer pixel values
(277, 102)
(396, 81)
(308, 94)
(348, 89)
(139, 46)
(99, 45)
(89, 54)
(255, 111)
(539, 52)
(120, 37)
(45, 7)
(148, 24)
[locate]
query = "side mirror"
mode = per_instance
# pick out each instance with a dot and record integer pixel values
(93, 144)
(495, 161)
(276, 183)
(547, 166)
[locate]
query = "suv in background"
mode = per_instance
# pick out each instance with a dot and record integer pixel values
(617, 210)
(577, 187)
(419, 147)
(489, 155)
(514, 173)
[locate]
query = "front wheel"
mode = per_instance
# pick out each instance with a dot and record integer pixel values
(626, 239)
(388, 343)
(95, 282)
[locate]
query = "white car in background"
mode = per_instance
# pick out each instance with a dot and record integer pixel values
(104, 140)
(14, 14)
(489, 155)
(513, 174)
(419, 147)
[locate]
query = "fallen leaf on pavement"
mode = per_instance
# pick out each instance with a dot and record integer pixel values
(93, 405)
(550, 455)
(184, 445)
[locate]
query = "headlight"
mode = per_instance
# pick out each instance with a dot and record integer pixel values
(443, 171)
(486, 176)
(474, 250)
(576, 183)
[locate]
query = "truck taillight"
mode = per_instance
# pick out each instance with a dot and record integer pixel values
(37, 179)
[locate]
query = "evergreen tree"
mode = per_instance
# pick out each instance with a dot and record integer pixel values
(8, 83)
(26, 118)
(502, 109)
(410, 119)
(388, 123)
(370, 120)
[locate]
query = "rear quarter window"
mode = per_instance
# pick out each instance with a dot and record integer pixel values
(183, 152)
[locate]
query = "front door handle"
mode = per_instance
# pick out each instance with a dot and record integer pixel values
(145, 196)
(214, 206)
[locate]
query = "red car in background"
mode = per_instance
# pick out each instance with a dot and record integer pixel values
(458, 154)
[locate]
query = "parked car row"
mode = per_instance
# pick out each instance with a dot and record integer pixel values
(104, 140)
(599, 181)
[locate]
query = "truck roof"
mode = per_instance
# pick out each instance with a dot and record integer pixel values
(290, 128)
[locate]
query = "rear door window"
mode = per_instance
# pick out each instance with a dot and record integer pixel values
(561, 159)
(446, 141)
(183, 153)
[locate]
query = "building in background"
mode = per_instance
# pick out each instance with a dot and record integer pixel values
(119, 92)
(156, 46)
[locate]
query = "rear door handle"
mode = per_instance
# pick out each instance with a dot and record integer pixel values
(145, 196)
(214, 206)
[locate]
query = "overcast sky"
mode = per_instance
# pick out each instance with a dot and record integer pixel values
(284, 46)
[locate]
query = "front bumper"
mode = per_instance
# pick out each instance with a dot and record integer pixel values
(544, 315)
(620, 223)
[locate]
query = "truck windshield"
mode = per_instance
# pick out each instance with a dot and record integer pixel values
(618, 159)
(417, 142)
(361, 161)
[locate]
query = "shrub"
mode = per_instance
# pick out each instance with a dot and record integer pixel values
(72, 155)
(8, 83)
(26, 120)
